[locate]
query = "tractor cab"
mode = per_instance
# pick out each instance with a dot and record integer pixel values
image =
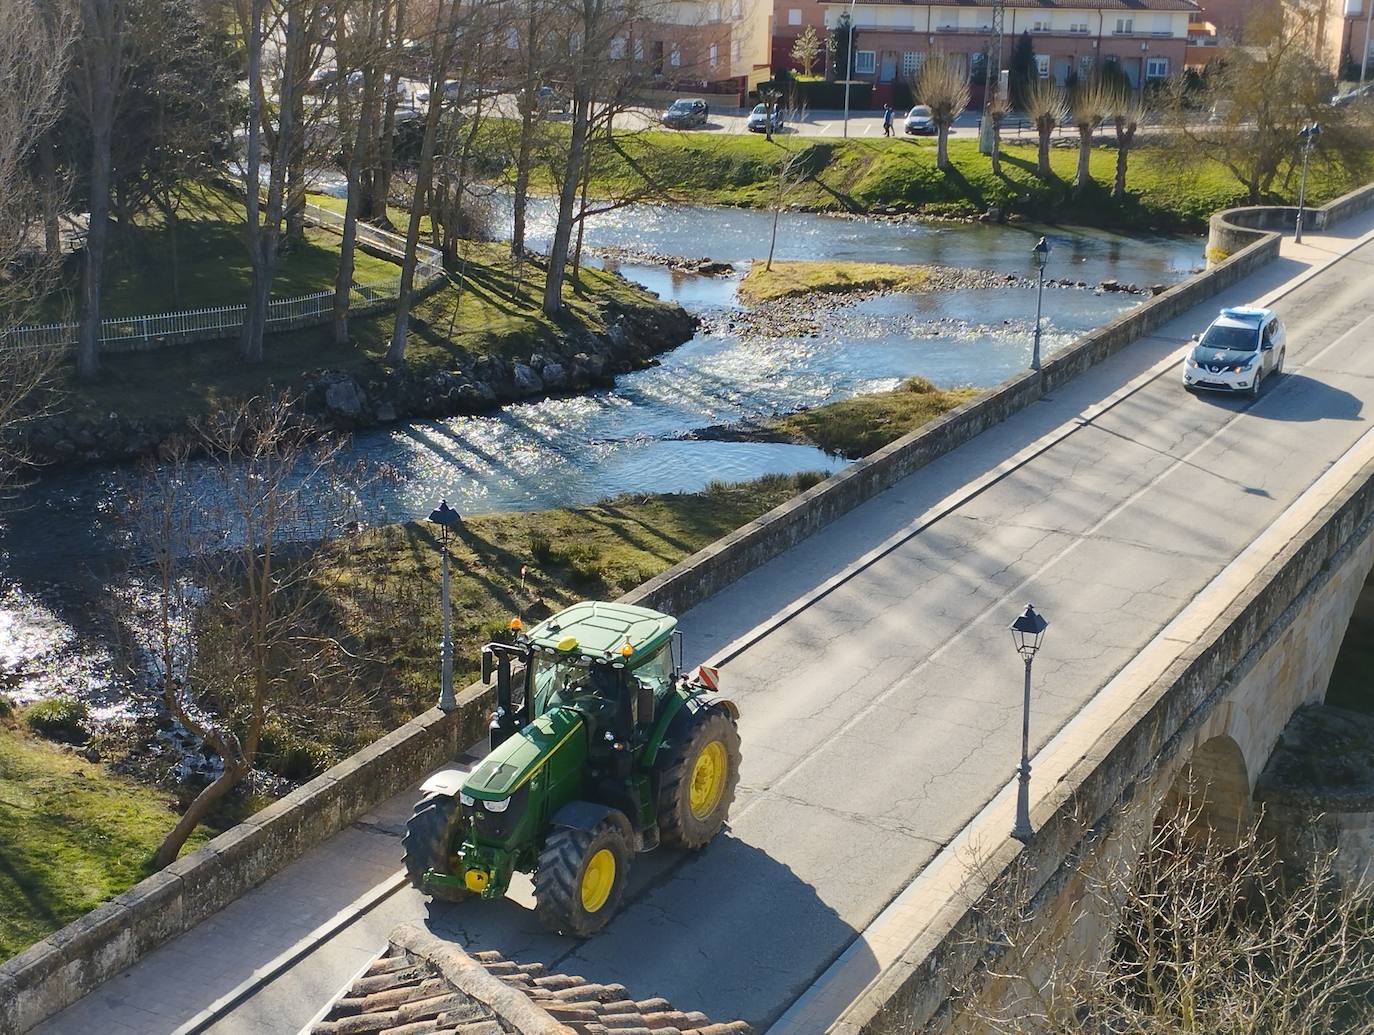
(599, 748)
(611, 663)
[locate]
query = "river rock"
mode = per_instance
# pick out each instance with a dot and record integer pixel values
(554, 376)
(526, 380)
(344, 398)
(386, 412)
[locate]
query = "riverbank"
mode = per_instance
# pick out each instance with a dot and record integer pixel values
(853, 427)
(478, 342)
(899, 177)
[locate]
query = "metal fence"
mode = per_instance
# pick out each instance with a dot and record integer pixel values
(139, 332)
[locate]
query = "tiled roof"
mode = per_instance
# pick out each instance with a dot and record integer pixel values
(423, 985)
(1045, 5)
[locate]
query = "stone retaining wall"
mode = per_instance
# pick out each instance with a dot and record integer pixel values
(1232, 229)
(70, 963)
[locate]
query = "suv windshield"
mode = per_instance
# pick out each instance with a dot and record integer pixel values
(681, 106)
(919, 110)
(760, 109)
(550, 673)
(1232, 338)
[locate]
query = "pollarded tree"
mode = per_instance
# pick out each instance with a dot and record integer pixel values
(806, 48)
(1091, 101)
(997, 107)
(1045, 108)
(942, 87)
(1127, 114)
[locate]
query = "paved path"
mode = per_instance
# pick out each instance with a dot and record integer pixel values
(885, 714)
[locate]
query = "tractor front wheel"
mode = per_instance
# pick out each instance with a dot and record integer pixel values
(697, 781)
(428, 844)
(581, 877)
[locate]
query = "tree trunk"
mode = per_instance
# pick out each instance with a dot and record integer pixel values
(295, 173)
(582, 213)
(1085, 143)
(1123, 147)
(942, 146)
(562, 235)
(385, 143)
(343, 286)
(996, 148)
(396, 354)
(773, 240)
(203, 802)
(52, 231)
(97, 235)
(1042, 158)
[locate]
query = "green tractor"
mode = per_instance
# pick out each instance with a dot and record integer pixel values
(605, 748)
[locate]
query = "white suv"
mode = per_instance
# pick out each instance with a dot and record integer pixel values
(1242, 347)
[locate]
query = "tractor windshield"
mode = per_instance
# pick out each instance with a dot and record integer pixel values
(550, 673)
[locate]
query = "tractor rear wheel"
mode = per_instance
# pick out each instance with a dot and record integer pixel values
(428, 844)
(697, 781)
(581, 877)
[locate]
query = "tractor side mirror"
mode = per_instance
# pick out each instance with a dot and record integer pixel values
(486, 666)
(503, 682)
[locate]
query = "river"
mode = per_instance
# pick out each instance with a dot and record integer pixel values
(631, 438)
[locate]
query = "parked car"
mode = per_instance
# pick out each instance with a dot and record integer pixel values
(549, 99)
(1241, 348)
(760, 121)
(920, 121)
(685, 113)
(1359, 93)
(452, 92)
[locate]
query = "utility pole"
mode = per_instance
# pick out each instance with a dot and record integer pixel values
(994, 62)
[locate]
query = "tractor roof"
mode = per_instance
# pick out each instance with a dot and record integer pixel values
(597, 629)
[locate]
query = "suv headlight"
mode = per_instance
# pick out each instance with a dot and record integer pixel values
(1244, 364)
(466, 799)
(496, 806)
(1191, 362)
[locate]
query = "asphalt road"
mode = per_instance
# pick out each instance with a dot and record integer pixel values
(881, 717)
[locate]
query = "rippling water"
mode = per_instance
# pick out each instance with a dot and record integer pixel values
(631, 438)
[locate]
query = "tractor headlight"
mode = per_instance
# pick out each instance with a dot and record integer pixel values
(496, 806)
(466, 799)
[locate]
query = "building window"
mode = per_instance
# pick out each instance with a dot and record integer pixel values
(1163, 25)
(1040, 25)
(1042, 65)
(617, 48)
(864, 61)
(712, 55)
(1085, 66)
(1156, 68)
(1125, 26)
(911, 64)
(735, 10)
(1080, 27)
(639, 50)
(978, 67)
(737, 48)
(675, 56)
(794, 16)
(713, 13)
(947, 19)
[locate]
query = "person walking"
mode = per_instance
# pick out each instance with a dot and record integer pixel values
(887, 120)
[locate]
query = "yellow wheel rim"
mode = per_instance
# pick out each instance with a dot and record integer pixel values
(708, 780)
(597, 880)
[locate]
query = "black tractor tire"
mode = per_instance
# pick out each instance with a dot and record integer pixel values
(428, 844)
(559, 879)
(678, 824)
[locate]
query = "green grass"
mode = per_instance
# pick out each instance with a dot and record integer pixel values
(857, 426)
(72, 835)
(862, 175)
(792, 278)
(571, 554)
(211, 267)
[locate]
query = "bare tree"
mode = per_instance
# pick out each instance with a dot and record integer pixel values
(1091, 101)
(942, 87)
(792, 171)
(237, 545)
(997, 108)
(1202, 934)
(806, 49)
(101, 68)
(444, 27)
(1258, 99)
(1127, 114)
(36, 38)
(1046, 109)
(530, 36)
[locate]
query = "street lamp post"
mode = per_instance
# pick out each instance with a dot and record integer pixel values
(1026, 633)
(1041, 254)
(1308, 135)
(848, 66)
(446, 518)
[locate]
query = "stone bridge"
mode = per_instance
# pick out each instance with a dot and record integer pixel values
(1197, 559)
